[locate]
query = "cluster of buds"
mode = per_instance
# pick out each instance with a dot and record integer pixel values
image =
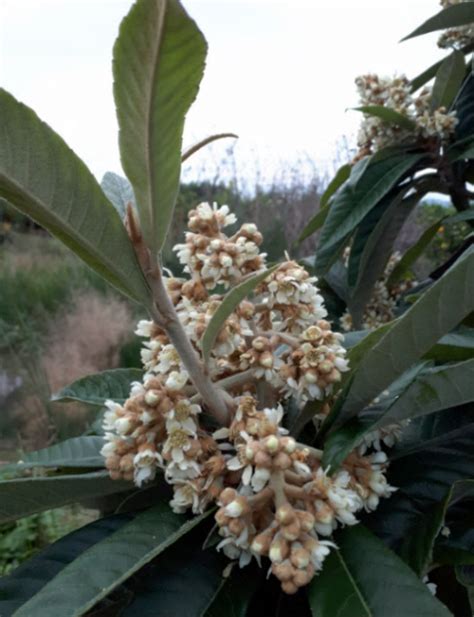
(275, 500)
(381, 308)
(457, 38)
(395, 93)
(283, 505)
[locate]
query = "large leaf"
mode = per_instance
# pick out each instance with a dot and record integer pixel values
(417, 548)
(464, 107)
(414, 252)
(232, 299)
(387, 114)
(458, 345)
(353, 202)
(465, 575)
(426, 76)
(436, 451)
(433, 315)
(362, 578)
(43, 178)
(105, 565)
(30, 577)
(450, 17)
(375, 245)
(29, 495)
(158, 65)
(234, 598)
(75, 452)
(119, 191)
(96, 389)
(183, 582)
(449, 78)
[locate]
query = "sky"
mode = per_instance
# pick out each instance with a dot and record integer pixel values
(280, 74)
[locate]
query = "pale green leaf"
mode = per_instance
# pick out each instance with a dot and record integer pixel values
(119, 192)
(43, 178)
(81, 451)
(158, 64)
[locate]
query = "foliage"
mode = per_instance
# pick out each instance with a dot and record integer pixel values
(233, 336)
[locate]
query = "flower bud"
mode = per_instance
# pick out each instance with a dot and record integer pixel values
(262, 459)
(272, 444)
(283, 571)
(151, 398)
(261, 543)
(289, 587)
(285, 514)
(289, 444)
(227, 495)
(300, 558)
(292, 531)
(279, 550)
(282, 461)
(306, 520)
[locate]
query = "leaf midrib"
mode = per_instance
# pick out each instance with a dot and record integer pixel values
(353, 582)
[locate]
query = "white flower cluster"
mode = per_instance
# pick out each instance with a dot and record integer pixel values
(382, 305)
(395, 93)
(457, 38)
(275, 500)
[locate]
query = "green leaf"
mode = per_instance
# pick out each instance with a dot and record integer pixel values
(387, 114)
(464, 107)
(417, 548)
(25, 496)
(373, 244)
(458, 345)
(100, 387)
(232, 299)
(432, 316)
(362, 578)
(353, 202)
(107, 564)
(76, 452)
(414, 252)
(341, 176)
(183, 582)
(450, 17)
(43, 178)
(119, 192)
(436, 451)
(30, 577)
(427, 75)
(342, 441)
(234, 598)
(158, 64)
(315, 223)
(465, 576)
(449, 78)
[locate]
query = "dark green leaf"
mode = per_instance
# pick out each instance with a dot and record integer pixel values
(454, 347)
(96, 389)
(417, 548)
(158, 64)
(29, 578)
(183, 582)
(436, 451)
(362, 578)
(449, 78)
(105, 565)
(387, 114)
(375, 245)
(353, 202)
(29, 495)
(427, 75)
(43, 178)
(432, 316)
(234, 598)
(414, 252)
(464, 107)
(341, 176)
(465, 575)
(450, 17)
(119, 192)
(232, 299)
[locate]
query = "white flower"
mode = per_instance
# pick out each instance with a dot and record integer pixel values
(177, 380)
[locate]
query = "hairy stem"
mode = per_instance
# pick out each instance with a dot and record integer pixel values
(164, 314)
